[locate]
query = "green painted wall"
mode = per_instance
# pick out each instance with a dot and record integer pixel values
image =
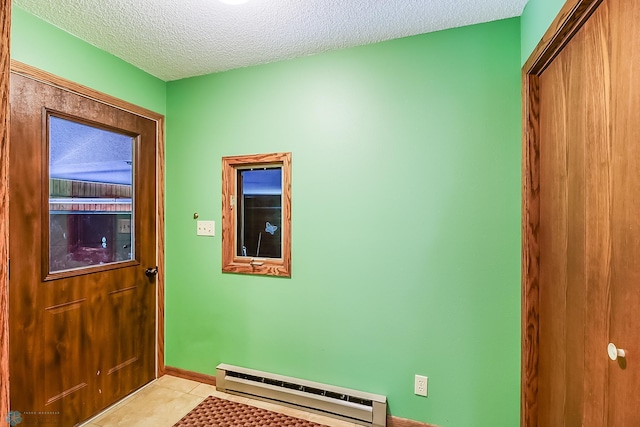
(406, 222)
(44, 46)
(535, 20)
(406, 190)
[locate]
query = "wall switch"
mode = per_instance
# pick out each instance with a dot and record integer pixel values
(206, 228)
(124, 226)
(420, 385)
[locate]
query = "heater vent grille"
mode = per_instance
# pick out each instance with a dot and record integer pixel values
(302, 388)
(352, 405)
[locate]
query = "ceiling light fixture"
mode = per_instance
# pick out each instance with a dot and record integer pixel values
(234, 2)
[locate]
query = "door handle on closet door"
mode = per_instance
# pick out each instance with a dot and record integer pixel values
(615, 352)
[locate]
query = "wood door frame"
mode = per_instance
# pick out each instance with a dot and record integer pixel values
(51, 79)
(570, 19)
(5, 34)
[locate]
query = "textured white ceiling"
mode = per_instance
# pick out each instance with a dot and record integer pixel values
(173, 39)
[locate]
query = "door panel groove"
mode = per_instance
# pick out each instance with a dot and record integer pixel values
(71, 305)
(117, 291)
(122, 365)
(66, 393)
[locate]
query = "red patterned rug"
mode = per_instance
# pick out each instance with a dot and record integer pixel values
(214, 412)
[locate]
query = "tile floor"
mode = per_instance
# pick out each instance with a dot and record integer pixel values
(163, 402)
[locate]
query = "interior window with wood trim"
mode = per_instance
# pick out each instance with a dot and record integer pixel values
(256, 214)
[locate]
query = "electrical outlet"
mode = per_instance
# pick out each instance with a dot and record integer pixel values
(420, 385)
(206, 228)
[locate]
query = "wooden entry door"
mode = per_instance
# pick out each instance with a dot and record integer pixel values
(82, 308)
(587, 183)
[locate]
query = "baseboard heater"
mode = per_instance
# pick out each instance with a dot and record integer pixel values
(350, 405)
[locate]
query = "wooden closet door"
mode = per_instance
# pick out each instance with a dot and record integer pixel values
(563, 285)
(623, 382)
(590, 224)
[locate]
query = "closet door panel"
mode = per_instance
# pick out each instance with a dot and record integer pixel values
(624, 373)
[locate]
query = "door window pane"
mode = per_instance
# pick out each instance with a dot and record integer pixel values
(90, 196)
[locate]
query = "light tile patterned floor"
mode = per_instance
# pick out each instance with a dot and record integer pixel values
(166, 400)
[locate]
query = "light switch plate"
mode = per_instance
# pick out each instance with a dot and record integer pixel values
(206, 228)
(124, 225)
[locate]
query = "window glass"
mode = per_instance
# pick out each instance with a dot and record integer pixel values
(259, 222)
(90, 196)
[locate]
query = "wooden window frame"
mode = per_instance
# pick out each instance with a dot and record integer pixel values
(232, 263)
